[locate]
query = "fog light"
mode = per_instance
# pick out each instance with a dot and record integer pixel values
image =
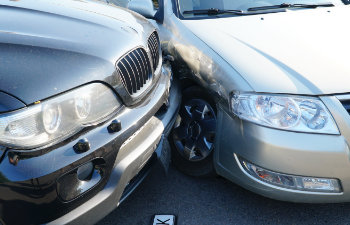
(311, 183)
(300, 183)
(84, 172)
(81, 179)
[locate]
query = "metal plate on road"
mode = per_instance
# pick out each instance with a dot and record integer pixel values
(164, 154)
(164, 220)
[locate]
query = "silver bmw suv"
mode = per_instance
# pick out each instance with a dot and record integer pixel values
(86, 103)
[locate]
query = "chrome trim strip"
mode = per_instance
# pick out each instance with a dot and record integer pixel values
(343, 97)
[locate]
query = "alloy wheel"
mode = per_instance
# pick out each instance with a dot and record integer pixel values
(195, 135)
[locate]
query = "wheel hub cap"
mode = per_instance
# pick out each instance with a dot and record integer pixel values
(195, 135)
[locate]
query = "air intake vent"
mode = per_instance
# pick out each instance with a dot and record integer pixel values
(135, 70)
(153, 45)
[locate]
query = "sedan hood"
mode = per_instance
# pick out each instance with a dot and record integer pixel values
(295, 52)
(48, 47)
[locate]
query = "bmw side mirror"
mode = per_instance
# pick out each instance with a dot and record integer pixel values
(146, 9)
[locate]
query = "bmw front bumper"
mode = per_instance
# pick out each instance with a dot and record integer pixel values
(44, 186)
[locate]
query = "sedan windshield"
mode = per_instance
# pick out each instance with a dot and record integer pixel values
(194, 8)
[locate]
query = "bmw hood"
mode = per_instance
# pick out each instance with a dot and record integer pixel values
(49, 47)
(295, 52)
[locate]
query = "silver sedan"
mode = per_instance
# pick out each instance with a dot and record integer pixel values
(265, 99)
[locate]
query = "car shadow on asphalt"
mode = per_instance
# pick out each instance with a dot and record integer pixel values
(211, 201)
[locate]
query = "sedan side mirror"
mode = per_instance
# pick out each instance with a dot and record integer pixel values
(143, 7)
(146, 9)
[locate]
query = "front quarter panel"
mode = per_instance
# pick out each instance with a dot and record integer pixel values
(206, 66)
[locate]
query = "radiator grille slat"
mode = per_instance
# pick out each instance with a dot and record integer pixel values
(127, 81)
(147, 63)
(153, 45)
(131, 73)
(135, 70)
(139, 70)
(143, 67)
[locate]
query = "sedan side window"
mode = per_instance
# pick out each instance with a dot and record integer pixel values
(124, 3)
(155, 4)
(121, 3)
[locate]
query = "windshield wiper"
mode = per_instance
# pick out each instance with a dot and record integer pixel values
(287, 5)
(213, 11)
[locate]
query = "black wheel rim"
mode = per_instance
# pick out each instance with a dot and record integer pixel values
(195, 135)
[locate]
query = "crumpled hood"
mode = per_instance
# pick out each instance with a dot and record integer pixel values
(295, 52)
(50, 46)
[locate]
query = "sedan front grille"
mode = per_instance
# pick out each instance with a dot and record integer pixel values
(135, 70)
(153, 45)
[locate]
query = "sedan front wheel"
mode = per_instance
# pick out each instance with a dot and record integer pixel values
(194, 134)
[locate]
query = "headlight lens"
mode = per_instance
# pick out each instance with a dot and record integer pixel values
(57, 118)
(52, 118)
(303, 114)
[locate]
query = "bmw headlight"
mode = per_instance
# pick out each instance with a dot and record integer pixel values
(57, 118)
(294, 113)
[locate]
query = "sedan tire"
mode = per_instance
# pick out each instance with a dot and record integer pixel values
(193, 135)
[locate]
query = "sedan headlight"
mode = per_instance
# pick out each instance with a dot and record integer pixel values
(56, 119)
(294, 113)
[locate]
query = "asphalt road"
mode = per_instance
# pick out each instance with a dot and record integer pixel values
(215, 201)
